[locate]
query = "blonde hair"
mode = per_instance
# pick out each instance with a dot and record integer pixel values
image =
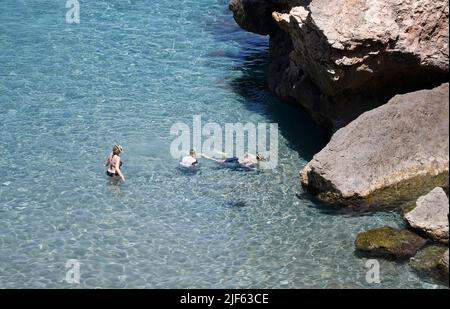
(117, 149)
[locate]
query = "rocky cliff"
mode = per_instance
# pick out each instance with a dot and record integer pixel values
(340, 58)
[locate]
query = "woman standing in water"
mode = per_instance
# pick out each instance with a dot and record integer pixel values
(114, 163)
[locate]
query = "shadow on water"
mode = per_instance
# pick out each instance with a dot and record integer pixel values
(188, 171)
(252, 61)
(346, 211)
(302, 134)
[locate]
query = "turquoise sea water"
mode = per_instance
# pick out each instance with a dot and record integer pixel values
(127, 73)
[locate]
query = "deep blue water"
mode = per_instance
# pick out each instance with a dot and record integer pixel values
(127, 73)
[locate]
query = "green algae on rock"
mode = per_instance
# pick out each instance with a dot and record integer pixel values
(402, 195)
(432, 261)
(389, 242)
(443, 264)
(427, 259)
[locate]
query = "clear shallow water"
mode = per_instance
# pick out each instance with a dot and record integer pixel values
(127, 73)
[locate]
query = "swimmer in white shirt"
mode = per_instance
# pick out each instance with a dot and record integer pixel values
(190, 160)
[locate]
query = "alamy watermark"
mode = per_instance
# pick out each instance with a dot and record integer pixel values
(73, 13)
(373, 272)
(232, 140)
(73, 271)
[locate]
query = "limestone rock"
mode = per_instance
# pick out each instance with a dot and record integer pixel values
(406, 138)
(340, 58)
(431, 215)
(256, 15)
(362, 44)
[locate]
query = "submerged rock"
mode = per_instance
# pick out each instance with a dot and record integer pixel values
(427, 260)
(443, 264)
(404, 139)
(430, 216)
(389, 242)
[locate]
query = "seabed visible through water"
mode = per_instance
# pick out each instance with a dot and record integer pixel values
(127, 73)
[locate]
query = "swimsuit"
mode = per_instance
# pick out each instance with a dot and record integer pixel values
(114, 174)
(232, 160)
(189, 161)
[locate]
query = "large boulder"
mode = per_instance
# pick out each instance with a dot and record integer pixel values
(366, 44)
(389, 242)
(430, 216)
(398, 142)
(340, 58)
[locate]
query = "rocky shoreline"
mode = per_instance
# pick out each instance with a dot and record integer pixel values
(425, 244)
(375, 73)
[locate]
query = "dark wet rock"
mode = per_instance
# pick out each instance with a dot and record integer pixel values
(443, 264)
(405, 139)
(256, 15)
(427, 260)
(430, 216)
(236, 203)
(389, 242)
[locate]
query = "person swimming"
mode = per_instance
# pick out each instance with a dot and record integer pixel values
(248, 161)
(114, 163)
(190, 160)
